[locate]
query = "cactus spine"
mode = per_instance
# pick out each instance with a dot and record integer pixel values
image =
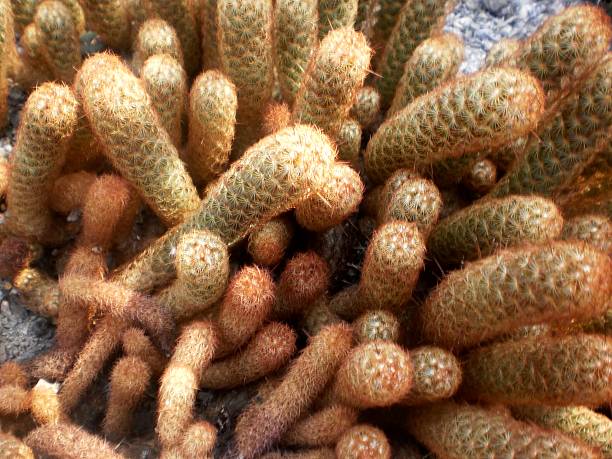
(155, 36)
(40, 293)
(267, 245)
(594, 229)
(7, 38)
(210, 48)
(349, 142)
(366, 107)
(503, 53)
(481, 177)
(376, 325)
(335, 14)
(136, 344)
(109, 18)
(321, 428)
(364, 440)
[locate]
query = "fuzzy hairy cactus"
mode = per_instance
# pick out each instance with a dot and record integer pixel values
(488, 109)
(277, 116)
(594, 229)
(318, 316)
(212, 119)
(576, 421)
(23, 12)
(286, 167)
(558, 282)
(46, 407)
(136, 344)
(481, 177)
(6, 35)
(166, 83)
(210, 48)
(335, 73)
(363, 440)
(313, 453)
(109, 18)
(13, 448)
(321, 428)
(385, 20)
(267, 244)
(480, 229)
(503, 53)
(39, 292)
(260, 425)
(47, 122)
(432, 63)
(376, 325)
(375, 374)
(69, 191)
(295, 38)
(417, 20)
(366, 107)
(453, 430)
(335, 14)
(199, 440)
(122, 117)
(202, 271)
(155, 36)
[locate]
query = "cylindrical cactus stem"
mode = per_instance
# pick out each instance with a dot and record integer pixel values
(335, 73)
(504, 104)
(269, 350)
(318, 316)
(363, 440)
(39, 292)
(69, 191)
(545, 371)
(503, 53)
(436, 375)
(305, 278)
(166, 83)
(375, 374)
(383, 21)
(366, 107)
(417, 21)
(247, 304)
(260, 425)
(558, 282)
(267, 244)
(199, 440)
(433, 62)
(14, 448)
(47, 122)
(155, 36)
(349, 143)
(212, 120)
(35, 70)
(347, 303)
(416, 200)
(14, 400)
(99, 347)
(576, 421)
(392, 265)
(77, 13)
(69, 441)
(453, 430)
(286, 167)
(244, 36)
(295, 38)
(15, 255)
(277, 116)
(180, 15)
(376, 325)
(61, 46)
(46, 407)
(4, 176)
(122, 117)
(594, 229)
(564, 145)
(321, 428)
(210, 49)
(484, 227)
(13, 373)
(335, 14)
(128, 382)
(23, 12)
(481, 177)
(7, 40)
(334, 203)
(312, 453)
(136, 344)
(202, 271)
(193, 353)
(109, 18)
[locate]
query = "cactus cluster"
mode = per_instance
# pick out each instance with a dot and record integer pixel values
(293, 222)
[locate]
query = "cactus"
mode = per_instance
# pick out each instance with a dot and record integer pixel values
(558, 282)
(193, 353)
(46, 408)
(334, 202)
(267, 244)
(286, 166)
(7, 38)
(208, 18)
(318, 316)
(314, 453)
(155, 36)
(503, 104)
(47, 122)
(385, 20)
(541, 371)
(179, 14)
(199, 440)
(14, 400)
(35, 70)
(13, 448)
(436, 375)
(13, 373)
(109, 18)
(376, 325)
(366, 107)
(481, 177)
(561, 148)
(417, 20)
(136, 344)
(363, 440)
(123, 118)
(269, 350)
(39, 292)
(202, 270)
(212, 119)
(166, 83)
(335, 14)
(295, 36)
(69, 191)
(349, 143)
(435, 61)
(453, 430)
(276, 116)
(576, 421)
(335, 73)
(416, 200)
(23, 12)
(503, 53)
(321, 428)
(480, 229)
(260, 425)
(594, 229)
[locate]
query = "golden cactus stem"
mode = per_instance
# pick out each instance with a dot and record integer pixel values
(594, 229)
(363, 440)
(377, 325)
(34, 70)
(503, 53)
(335, 14)
(480, 301)
(199, 440)
(336, 71)
(136, 344)
(13, 373)
(47, 122)
(321, 428)
(260, 425)
(155, 36)
(366, 107)
(541, 371)
(504, 104)
(69, 191)
(117, 107)
(210, 49)
(39, 292)
(7, 40)
(349, 143)
(288, 166)
(314, 453)
(481, 177)
(46, 407)
(14, 400)
(267, 244)
(12, 447)
(23, 12)
(453, 430)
